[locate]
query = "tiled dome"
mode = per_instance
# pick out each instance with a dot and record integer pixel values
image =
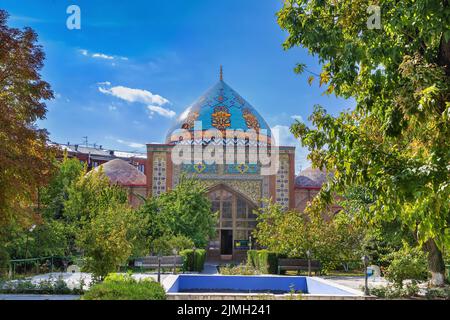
(311, 178)
(219, 108)
(123, 173)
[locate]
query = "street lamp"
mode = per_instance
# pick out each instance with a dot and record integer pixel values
(159, 267)
(308, 255)
(365, 260)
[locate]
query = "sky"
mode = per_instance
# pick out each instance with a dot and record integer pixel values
(134, 66)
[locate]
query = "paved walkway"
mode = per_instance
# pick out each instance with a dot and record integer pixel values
(210, 269)
(38, 297)
(356, 282)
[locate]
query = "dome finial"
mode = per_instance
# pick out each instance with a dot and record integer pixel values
(221, 73)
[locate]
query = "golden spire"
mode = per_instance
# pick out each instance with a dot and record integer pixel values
(221, 73)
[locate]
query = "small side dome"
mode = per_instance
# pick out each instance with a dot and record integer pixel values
(121, 172)
(311, 178)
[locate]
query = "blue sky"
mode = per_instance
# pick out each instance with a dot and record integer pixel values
(135, 65)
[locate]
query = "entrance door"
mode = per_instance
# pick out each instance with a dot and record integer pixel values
(226, 242)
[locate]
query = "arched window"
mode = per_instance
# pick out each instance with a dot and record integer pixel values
(236, 220)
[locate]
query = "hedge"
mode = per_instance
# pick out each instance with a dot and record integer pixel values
(263, 260)
(191, 262)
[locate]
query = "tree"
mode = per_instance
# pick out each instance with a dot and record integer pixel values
(107, 239)
(56, 193)
(184, 210)
(395, 142)
(332, 239)
(108, 230)
(26, 160)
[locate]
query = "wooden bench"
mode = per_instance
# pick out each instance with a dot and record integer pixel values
(152, 262)
(299, 265)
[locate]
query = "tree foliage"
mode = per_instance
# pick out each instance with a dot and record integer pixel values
(108, 230)
(26, 161)
(334, 240)
(395, 142)
(184, 210)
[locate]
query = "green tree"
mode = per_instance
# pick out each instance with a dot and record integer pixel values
(155, 227)
(332, 239)
(186, 211)
(108, 230)
(395, 142)
(56, 193)
(107, 240)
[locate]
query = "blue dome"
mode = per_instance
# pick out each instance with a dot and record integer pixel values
(219, 108)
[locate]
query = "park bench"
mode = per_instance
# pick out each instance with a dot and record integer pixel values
(299, 265)
(155, 262)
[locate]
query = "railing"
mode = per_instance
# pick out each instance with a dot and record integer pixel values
(33, 266)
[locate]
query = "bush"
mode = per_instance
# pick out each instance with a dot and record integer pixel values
(49, 286)
(4, 262)
(125, 287)
(264, 261)
(406, 264)
(242, 269)
(167, 243)
(438, 293)
(395, 292)
(193, 262)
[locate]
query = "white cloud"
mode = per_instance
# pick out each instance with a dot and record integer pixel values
(131, 143)
(99, 55)
(134, 95)
(297, 117)
(112, 108)
(283, 137)
(84, 52)
(161, 111)
(104, 83)
(102, 56)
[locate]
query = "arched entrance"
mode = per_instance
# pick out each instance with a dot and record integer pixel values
(236, 222)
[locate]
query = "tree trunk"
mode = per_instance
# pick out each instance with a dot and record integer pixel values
(435, 263)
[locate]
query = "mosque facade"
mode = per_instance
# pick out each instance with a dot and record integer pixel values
(224, 142)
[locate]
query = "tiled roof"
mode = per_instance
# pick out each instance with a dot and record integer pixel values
(219, 108)
(121, 172)
(311, 178)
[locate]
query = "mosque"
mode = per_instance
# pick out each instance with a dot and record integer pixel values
(234, 187)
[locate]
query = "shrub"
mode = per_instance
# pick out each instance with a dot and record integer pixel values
(438, 293)
(193, 262)
(252, 258)
(4, 262)
(167, 243)
(124, 287)
(49, 286)
(263, 260)
(395, 292)
(242, 269)
(406, 263)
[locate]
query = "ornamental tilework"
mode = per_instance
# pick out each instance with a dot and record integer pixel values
(199, 168)
(242, 168)
(159, 173)
(252, 189)
(282, 182)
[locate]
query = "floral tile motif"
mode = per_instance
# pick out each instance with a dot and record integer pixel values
(159, 174)
(282, 182)
(242, 168)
